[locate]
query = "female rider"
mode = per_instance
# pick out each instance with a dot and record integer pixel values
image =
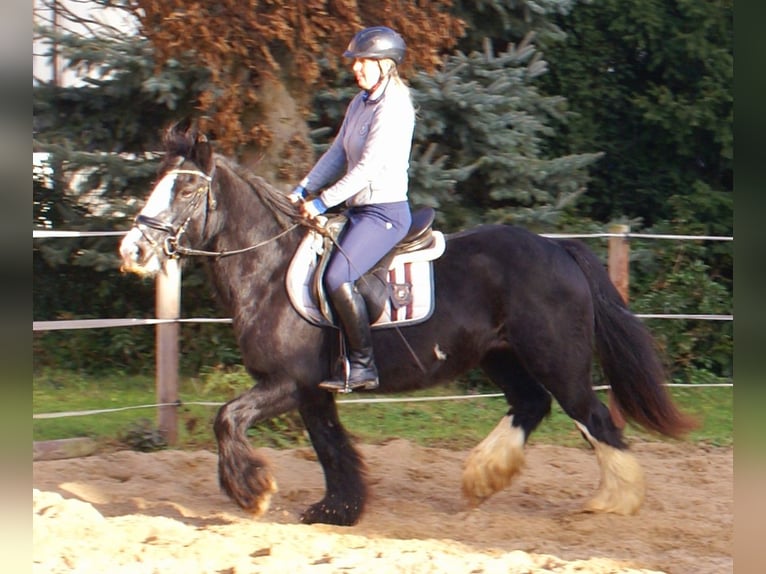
(365, 167)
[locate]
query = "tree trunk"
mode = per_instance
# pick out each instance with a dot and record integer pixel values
(289, 154)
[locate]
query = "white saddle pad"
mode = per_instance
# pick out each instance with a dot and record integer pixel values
(413, 271)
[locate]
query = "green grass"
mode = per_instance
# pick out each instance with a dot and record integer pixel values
(456, 424)
(60, 391)
(461, 424)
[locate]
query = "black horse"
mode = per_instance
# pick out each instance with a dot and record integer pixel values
(528, 310)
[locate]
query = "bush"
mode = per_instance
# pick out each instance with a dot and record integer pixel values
(143, 436)
(673, 278)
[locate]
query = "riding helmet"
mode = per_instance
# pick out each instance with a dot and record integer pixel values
(377, 43)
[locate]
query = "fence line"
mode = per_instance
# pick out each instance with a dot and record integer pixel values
(101, 323)
(66, 324)
(44, 233)
(70, 324)
(377, 400)
(167, 387)
(50, 233)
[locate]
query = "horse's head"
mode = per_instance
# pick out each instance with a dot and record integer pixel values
(178, 205)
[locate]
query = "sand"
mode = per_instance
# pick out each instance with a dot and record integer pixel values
(131, 512)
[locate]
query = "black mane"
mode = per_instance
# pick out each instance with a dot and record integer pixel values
(277, 200)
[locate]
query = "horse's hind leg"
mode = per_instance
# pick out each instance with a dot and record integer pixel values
(344, 471)
(242, 474)
(493, 463)
(622, 487)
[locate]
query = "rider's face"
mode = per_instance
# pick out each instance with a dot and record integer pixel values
(366, 72)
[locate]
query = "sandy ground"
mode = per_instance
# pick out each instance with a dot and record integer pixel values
(129, 512)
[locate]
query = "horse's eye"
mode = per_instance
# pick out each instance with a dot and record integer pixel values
(186, 191)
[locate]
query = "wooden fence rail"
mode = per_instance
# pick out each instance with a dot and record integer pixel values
(168, 314)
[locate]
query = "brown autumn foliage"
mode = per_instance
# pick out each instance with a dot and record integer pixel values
(264, 57)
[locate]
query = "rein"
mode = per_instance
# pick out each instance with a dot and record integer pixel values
(181, 250)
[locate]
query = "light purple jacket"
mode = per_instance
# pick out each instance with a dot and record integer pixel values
(368, 160)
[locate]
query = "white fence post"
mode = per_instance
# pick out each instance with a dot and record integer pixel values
(168, 303)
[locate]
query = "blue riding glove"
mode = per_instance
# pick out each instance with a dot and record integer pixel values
(297, 195)
(313, 208)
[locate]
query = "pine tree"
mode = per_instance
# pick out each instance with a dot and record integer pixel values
(94, 144)
(98, 136)
(511, 20)
(484, 118)
(652, 83)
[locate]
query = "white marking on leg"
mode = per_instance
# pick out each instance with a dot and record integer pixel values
(622, 487)
(493, 463)
(263, 502)
(440, 355)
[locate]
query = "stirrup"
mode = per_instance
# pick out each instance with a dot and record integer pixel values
(342, 384)
(339, 382)
(338, 386)
(344, 387)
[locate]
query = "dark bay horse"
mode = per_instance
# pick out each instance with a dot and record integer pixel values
(528, 310)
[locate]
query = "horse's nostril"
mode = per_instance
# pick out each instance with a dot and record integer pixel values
(128, 253)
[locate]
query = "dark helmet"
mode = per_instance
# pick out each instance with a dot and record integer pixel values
(377, 43)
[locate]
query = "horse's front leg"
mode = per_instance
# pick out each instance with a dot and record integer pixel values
(344, 470)
(242, 474)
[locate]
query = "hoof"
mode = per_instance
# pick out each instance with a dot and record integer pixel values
(622, 487)
(323, 513)
(250, 487)
(260, 504)
(493, 463)
(624, 505)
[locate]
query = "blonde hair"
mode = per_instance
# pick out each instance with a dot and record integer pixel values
(393, 73)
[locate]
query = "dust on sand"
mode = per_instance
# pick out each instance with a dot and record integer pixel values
(128, 512)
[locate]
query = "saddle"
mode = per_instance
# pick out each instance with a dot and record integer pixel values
(397, 290)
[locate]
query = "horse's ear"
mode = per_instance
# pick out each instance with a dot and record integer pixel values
(203, 153)
(180, 136)
(184, 127)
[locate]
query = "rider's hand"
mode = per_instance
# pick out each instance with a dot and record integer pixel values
(312, 209)
(297, 195)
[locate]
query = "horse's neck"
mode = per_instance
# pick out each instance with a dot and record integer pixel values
(245, 279)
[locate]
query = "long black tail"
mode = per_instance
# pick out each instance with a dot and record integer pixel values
(628, 353)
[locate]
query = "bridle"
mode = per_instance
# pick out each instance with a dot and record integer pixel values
(171, 242)
(171, 245)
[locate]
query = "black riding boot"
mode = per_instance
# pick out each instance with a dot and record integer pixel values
(352, 312)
